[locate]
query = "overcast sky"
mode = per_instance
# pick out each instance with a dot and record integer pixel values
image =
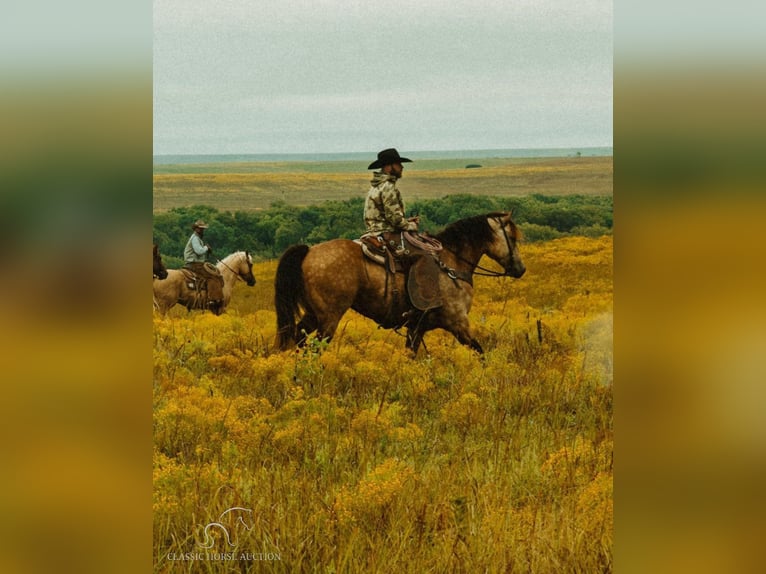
(317, 76)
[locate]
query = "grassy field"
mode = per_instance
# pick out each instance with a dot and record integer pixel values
(252, 186)
(354, 457)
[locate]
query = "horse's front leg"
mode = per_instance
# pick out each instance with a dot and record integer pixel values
(414, 339)
(474, 344)
(416, 329)
(463, 335)
(470, 342)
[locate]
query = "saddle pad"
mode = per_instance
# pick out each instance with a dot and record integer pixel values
(377, 257)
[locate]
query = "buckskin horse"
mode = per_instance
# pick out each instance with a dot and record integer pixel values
(175, 289)
(328, 279)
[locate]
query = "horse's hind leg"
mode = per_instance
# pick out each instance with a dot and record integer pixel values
(307, 325)
(325, 324)
(327, 328)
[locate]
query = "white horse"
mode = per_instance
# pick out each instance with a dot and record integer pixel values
(175, 289)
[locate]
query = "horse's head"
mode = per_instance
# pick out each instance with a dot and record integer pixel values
(504, 246)
(216, 307)
(246, 269)
(241, 264)
(158, 267)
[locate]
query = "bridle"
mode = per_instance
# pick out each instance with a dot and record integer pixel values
(236, 274)
(491, 272)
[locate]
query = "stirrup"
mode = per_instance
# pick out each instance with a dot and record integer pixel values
(408, 315)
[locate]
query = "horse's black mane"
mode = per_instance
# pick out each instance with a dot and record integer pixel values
(474, 231)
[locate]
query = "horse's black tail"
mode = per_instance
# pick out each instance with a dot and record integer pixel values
(289, 294)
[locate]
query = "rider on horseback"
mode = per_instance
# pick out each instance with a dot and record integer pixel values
(384, 208)
(195, 255)
(389, 229)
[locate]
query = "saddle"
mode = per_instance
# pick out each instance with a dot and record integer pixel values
(377, 249)
(206, 282)
(404, 253)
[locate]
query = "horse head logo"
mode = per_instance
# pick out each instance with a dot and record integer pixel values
(228, 523)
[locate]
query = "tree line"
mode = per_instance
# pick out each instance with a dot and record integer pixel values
(267, 233)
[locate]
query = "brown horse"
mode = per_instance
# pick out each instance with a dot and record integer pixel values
(159, 271)
(329, 278)
(174, 289)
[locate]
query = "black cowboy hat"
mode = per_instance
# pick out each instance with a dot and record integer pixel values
(386, 157)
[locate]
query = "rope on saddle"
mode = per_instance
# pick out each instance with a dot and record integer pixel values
(424, 242)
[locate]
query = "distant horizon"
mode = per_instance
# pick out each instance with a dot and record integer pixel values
(527, 152)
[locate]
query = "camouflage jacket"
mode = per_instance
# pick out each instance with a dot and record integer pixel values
(384, 208)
